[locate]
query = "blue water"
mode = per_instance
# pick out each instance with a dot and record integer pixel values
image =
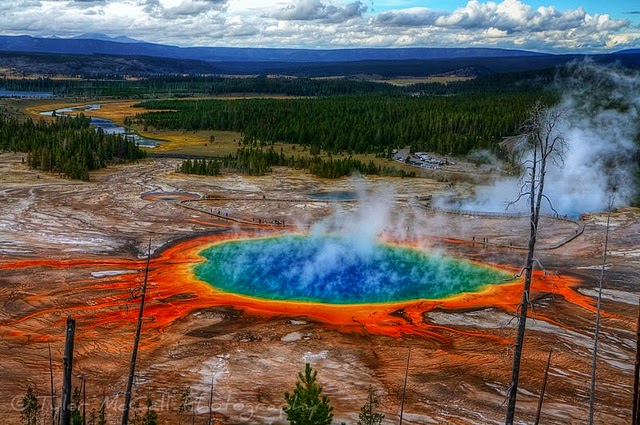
(109, 127)
(337, 271)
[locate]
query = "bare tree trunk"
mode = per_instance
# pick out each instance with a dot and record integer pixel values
(635, 418)
(148, 415)
(544, 388)
(592, 398)
(524, 304)
(404, 387)
(546, 144)
(84, 399)
(53, 393)
(102, 420)
(65, 415)
(134, 354)
(210, 422)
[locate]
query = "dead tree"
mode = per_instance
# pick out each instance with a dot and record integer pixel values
(635, 417)
(210, 419)
(53, 393)
(134, 354)
(404, 387)
(67, 362)
(596, 334)
(84, 400)
(544, 388)
(540, 143)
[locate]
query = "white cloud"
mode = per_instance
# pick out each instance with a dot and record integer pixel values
(495, 33)
(312, 10)
(170, 9)
(412, 17)
(192, 7)
(323, 23)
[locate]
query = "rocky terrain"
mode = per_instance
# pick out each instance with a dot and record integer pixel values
(69, 248)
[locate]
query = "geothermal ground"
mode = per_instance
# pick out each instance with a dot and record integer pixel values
(79, 249)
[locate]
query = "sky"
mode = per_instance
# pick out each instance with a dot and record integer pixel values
(554, 26)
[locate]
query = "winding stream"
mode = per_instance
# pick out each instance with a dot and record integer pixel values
(108, 126)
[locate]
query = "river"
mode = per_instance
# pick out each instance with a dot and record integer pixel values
(108, 126)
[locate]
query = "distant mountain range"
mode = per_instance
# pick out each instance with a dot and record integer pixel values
(98, 54)
(88, 44)
(104, 37)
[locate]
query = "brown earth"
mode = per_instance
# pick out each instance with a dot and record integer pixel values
(77, 248)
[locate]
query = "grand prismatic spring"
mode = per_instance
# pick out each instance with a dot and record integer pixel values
(340, 281)
(338, 270)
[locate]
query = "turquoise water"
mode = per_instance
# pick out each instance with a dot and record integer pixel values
(338, 195)
(337, 271)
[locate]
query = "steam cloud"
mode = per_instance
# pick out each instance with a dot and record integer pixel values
(327, 269)
(360, 228)
(600, 108)
(341, 261)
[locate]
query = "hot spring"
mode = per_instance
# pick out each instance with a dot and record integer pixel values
(338, 270)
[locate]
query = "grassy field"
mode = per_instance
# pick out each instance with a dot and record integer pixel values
(113, 110)
(181, 142)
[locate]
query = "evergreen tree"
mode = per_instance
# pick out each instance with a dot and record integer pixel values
(76, 417)
(362, 124)
(135, 410)
(306, 405)
(151, 416)
(93, 417)
(186, 403)
(102, 412)
(368, 414)
(68, 146)
(30, 408)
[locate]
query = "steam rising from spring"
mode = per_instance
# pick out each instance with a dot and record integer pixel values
(360, 228)
(341, 261)
(600, 108)
(325, 269)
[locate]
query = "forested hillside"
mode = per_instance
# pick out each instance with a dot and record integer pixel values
(357, 124)
(256, 160)
(189, 86)
(174, 86)
(68, 146)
